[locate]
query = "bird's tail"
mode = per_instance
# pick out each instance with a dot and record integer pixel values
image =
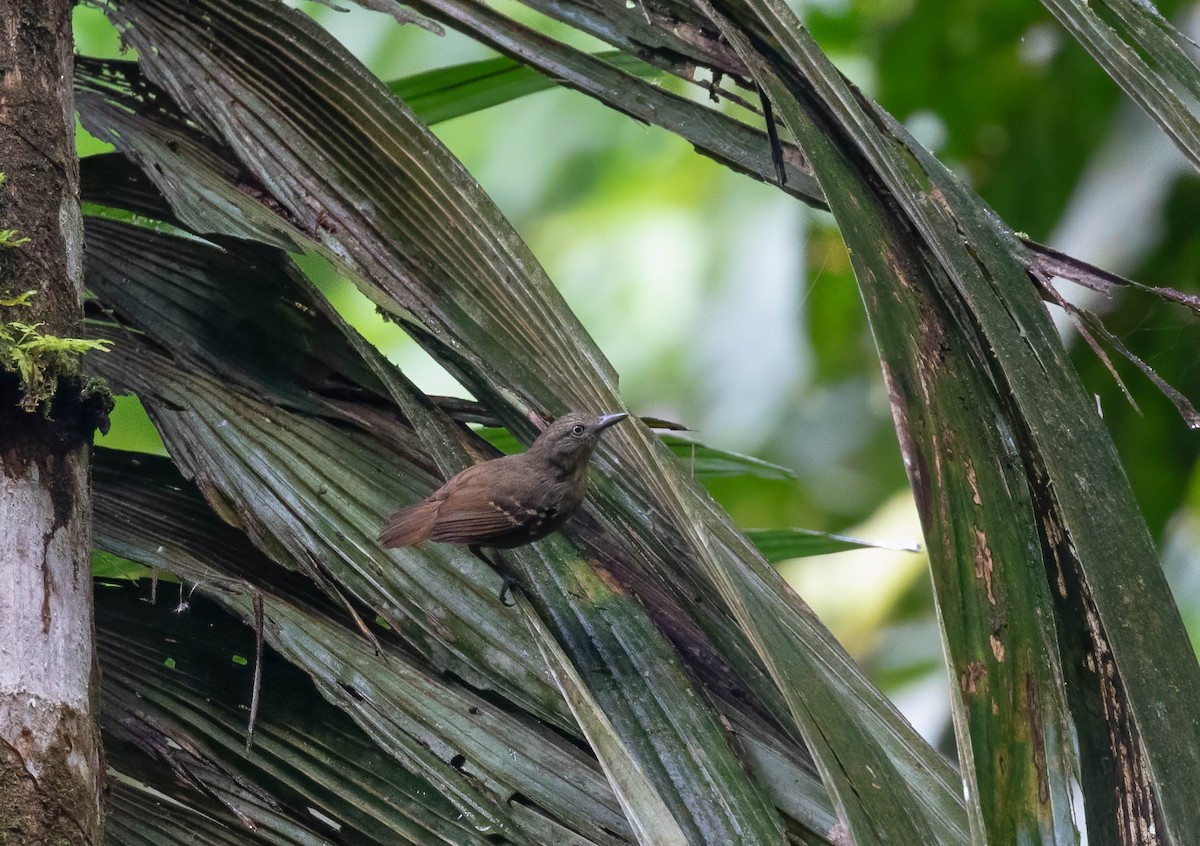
(408, 525)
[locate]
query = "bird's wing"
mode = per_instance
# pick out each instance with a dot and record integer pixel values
(481, 509)
(485, 527)
(415, 524)
(493, 521)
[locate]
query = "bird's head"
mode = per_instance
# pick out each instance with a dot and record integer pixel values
(570, 440)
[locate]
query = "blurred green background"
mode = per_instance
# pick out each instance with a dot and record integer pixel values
(731, 308)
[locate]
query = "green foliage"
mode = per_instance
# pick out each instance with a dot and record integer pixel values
(39, 359)
(10, 238)
(1019, 123)
(19, 299)
(114, 568)
(451, 92)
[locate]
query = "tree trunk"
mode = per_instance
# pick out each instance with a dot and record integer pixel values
(50, 764)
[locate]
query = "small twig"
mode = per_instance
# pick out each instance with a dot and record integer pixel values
(1081, 327)
(1085, 320)
(714, 86)
(358, 621)
(326, 581)
(258, 662)
(773, 137)
(1182, 404)
(1047, 263)
(184, 604)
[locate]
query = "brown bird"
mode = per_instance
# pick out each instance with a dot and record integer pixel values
(509, 501)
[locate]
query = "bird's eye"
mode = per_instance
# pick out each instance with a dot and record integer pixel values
(577, 430)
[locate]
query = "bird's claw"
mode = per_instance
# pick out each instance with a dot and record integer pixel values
(506, 589)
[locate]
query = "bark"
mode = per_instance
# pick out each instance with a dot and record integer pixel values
(50, 760)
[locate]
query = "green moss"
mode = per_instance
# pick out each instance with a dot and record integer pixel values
(10, 238)
(19, 299)
(39, 359)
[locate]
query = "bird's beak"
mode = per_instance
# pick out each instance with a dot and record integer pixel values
(606, 420)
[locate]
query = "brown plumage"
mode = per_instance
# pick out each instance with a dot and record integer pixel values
(508, 501)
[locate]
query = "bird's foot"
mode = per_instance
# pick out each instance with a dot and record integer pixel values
(510, 581)
(506, 589)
